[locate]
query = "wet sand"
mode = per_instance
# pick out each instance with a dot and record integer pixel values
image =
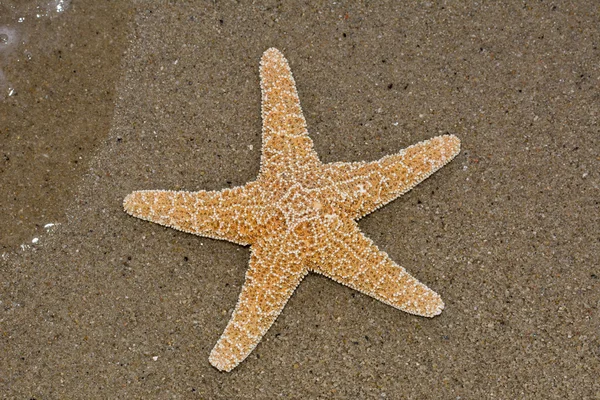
(109, 306)
(58, 75)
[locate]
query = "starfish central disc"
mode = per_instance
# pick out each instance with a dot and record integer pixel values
(300, 205)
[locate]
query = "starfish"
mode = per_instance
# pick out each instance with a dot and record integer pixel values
(299, 216)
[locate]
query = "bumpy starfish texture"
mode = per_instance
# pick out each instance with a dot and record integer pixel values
(299, 216)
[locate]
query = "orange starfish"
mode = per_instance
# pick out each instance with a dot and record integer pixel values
(299, 217)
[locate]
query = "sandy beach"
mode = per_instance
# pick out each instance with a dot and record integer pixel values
(101, 99)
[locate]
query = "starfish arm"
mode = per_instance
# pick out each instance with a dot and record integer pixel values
(285, 137)
(227, 214)
(364, 187)
(352, 259)
(270, 281)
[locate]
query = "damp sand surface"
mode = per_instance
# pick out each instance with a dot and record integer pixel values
(110, 98)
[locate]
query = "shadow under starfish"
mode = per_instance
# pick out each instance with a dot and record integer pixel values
(300, 216)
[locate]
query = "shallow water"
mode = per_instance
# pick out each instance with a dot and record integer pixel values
(58, 69)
